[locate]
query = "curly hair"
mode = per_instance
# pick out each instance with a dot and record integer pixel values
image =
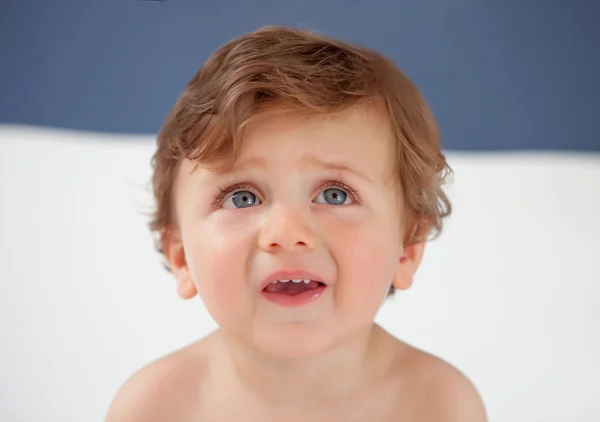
(304, 72)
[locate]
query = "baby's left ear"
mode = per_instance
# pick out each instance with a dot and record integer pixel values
(409, 264)
(412, 253)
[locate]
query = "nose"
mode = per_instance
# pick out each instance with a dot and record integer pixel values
(287, 229)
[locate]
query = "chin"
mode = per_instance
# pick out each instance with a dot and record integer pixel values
(293, 343)
(292, 352)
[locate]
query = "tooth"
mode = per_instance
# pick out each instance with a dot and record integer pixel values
(306, 281)
(284, 281)
(296, 281)
(275, 282)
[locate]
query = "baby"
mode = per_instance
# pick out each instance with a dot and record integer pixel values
(297, 180)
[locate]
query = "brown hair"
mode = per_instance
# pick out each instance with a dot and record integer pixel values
(305, 72)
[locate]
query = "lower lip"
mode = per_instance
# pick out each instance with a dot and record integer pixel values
(299, 299)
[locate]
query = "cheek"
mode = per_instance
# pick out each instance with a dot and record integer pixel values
(218, 257)
(368, 257)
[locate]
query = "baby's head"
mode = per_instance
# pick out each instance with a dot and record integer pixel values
(290, 154)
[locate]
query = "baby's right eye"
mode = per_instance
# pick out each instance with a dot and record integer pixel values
(240, 199)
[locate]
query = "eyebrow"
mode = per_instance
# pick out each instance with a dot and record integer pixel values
(330, 165)
(307, 159)
(255, 161)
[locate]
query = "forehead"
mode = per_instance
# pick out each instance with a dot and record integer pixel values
(360, 135)
(359, 138)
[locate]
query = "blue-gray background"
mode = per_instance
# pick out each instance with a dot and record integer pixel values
(499, 75)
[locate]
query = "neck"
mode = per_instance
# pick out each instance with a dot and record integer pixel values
(338, 372)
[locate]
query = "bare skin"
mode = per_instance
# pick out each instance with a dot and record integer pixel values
(316, 198)
(199, 383)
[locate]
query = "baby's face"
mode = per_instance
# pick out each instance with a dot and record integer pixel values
(309, 199)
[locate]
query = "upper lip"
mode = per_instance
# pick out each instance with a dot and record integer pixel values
(290, 275)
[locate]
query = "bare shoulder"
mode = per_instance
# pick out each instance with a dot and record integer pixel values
(164, 390)
(442, 393)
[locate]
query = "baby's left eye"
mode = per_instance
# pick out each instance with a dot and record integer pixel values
(333, 196)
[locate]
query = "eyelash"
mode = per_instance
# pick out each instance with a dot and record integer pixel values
(227, 189)
(341, 185)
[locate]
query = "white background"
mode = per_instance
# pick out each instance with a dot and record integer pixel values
(509, 293)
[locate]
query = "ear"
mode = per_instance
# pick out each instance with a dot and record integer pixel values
(412, 254)
(408, 265)
(175, 254)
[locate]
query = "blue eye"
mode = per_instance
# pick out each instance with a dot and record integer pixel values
(333, 196)
(241, 199)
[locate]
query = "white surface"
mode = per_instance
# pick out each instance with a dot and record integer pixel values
(509, 293)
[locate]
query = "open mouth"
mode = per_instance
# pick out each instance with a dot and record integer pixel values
(293, 292)
(292, 287)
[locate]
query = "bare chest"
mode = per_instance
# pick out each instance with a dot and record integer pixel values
(382, 407)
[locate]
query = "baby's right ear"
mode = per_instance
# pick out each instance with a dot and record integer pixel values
(175, 255)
